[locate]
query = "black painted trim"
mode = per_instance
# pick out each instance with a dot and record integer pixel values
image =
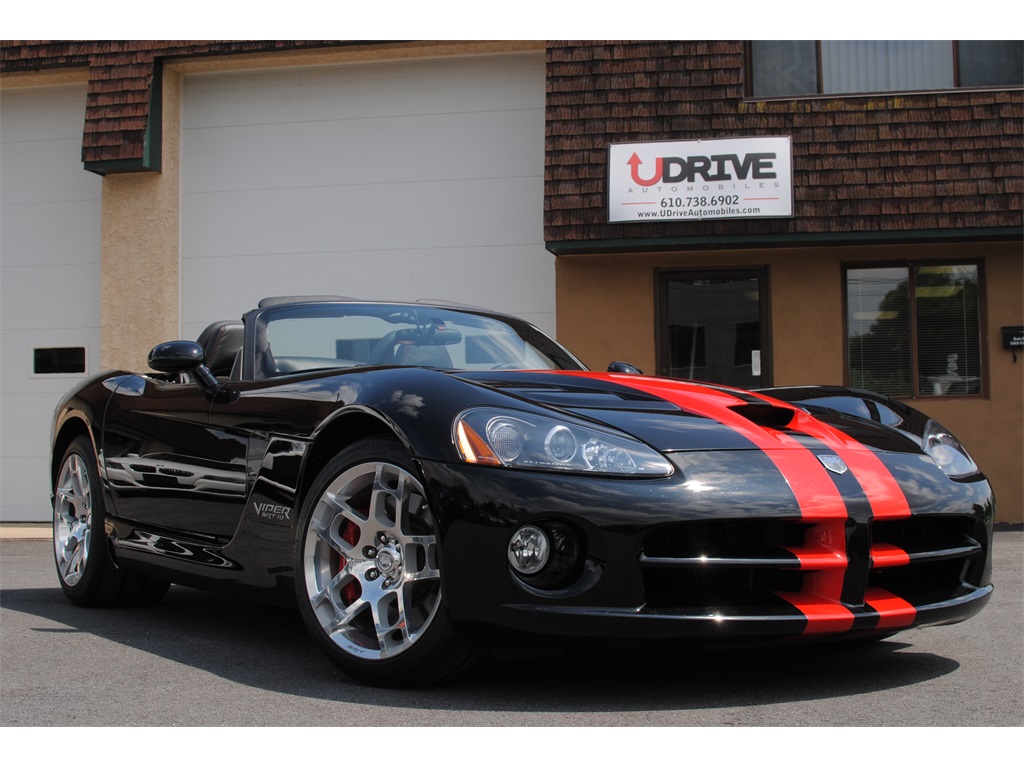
(712, 242)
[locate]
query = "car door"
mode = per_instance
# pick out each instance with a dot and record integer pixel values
(166, 465)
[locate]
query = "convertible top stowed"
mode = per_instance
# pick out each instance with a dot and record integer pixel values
(428, 480)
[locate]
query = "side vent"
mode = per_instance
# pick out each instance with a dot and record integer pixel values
(765, 415)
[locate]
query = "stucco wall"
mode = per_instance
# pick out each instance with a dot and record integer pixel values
(139, 289)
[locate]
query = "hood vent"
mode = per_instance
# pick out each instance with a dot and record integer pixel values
(765, 415)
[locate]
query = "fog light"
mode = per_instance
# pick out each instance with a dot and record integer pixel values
(528, 550)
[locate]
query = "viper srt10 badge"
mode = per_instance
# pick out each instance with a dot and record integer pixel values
(275, 512)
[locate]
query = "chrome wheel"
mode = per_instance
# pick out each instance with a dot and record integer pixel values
(82, 553)
(72, 519)
(370, 561)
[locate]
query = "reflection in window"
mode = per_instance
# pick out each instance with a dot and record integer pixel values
(990, 62)
(784, 67)
(748, 341)
(711, 327)
(948, 337)
(689, 348)
(914, 331)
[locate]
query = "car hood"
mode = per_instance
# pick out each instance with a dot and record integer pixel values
(676, 415)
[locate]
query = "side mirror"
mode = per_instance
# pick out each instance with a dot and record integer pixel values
(183, 357)
(176, 356)
(619, 367)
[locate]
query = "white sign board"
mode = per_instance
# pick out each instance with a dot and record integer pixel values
(746, 178)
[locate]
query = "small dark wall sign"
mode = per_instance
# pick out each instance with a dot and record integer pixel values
(1013, 339)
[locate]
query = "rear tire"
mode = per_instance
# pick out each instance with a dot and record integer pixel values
(369, 575)
(87, 574)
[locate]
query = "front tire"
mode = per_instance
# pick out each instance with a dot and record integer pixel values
(88, 576)
(369, 573)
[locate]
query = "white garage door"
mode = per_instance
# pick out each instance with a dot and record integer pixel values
(50, 256)
(391, 180)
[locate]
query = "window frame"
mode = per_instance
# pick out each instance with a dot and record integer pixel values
(662, 341)
(911, 266)
(748, 76)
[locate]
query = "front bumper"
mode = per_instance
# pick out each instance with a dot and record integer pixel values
(718, 552)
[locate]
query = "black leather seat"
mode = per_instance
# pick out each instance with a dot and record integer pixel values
(222, 341)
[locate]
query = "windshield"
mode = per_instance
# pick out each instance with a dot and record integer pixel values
(290, 339)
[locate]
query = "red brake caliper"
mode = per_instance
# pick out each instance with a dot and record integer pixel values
(351, 591)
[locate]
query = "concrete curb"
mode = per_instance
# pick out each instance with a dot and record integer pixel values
(25, 531)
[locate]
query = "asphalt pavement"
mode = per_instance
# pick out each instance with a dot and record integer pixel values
(199, 659)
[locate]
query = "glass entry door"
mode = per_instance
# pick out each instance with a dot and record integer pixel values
(713, 327)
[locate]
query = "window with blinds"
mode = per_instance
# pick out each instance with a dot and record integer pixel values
(914, 331)
(806, 67)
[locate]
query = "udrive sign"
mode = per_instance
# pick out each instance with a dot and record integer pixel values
(691, 180)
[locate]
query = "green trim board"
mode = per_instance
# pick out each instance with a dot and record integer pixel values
(722, 242)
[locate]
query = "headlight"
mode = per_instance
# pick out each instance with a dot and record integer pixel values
(946, 451)
(507, 438)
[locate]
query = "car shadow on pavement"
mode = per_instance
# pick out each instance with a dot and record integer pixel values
(265, 647)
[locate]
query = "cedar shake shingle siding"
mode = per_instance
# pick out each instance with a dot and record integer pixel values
(877, 163)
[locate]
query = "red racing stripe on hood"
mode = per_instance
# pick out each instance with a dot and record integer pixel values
(884, 494)
(816, 494)
(824, 554)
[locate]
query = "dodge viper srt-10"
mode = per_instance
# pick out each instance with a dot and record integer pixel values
(427, 481)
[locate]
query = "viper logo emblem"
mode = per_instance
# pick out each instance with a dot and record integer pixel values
(833, 463)
(273, 511)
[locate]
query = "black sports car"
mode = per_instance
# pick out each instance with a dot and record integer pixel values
(427, 481)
